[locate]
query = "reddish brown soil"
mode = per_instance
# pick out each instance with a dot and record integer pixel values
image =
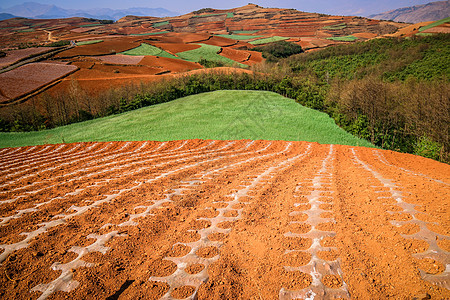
(255, 58)
(30, 77)
(172, 64)
(236, 55)
(16, 55)
(222, 220)
(121, 59)
(365, 35)
(104, 48)
(143, 70)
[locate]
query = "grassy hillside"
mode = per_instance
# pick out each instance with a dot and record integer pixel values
(214, 115)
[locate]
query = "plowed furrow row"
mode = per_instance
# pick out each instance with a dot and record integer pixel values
(326, 274)
(382, 159)
(192, 268)
(99, 167)
(202, 219)
(424, 234)
(36, 167)
(43, 227)
(65, 283)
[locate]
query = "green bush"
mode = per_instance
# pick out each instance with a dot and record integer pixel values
(279, 49)
(427, 148)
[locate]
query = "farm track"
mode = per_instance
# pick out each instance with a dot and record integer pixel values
(211, 219)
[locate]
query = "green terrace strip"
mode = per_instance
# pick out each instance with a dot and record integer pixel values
(230, 15)
(91, 25)
(239, 37)
(207, 52)
(26, 30)
(146, 49)
(269, 40)
(222, 115)
(160, 24)
(424, 34)
(335, 27)
(150, 33)
(89, 42)
(245, 31)
(437, 23)
(348, 38)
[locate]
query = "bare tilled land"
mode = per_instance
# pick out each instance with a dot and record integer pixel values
(200, 219)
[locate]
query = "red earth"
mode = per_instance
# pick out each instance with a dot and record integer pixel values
(202, 219)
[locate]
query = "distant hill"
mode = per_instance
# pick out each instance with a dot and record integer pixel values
(42, 11)
(432, 11)
(5, 16)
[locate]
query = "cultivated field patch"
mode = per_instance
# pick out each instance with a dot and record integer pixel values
(207, 219)
(17, 55)
(30, 77)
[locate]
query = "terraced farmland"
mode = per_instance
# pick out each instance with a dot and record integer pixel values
(206, 219)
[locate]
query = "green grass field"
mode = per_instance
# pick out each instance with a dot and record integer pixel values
(223, 115)
(269, 40)
(239, 37)
(146, 49)
(208, 52)
(348, 38)
(158, 24)
(89, 42)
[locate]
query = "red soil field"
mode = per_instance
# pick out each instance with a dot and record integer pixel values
(16, 55)
(365, 35)
(121, 59)
(203, 219)
(236, 55)
(143, 70)
(186, 37)
(104, 48)
(219, 41)
(172, 64)
(255, 58)
(30, 77)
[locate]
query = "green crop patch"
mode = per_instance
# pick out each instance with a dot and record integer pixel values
(335, 27)
(437, 23)
(239, 37)
(159, 24)
(146, 49)
(89, 42)
(91, 25)
(230, 15)
(207, 52)
(221, 115)
(348, 38)
(269, 40)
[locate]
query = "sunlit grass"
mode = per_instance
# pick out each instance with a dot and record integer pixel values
(223, 115)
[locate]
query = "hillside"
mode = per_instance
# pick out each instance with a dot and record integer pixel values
(432, 11)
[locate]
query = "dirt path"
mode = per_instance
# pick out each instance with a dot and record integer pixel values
(222, 220)
(50, 36)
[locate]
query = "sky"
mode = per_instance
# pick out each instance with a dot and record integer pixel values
(333, 7)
